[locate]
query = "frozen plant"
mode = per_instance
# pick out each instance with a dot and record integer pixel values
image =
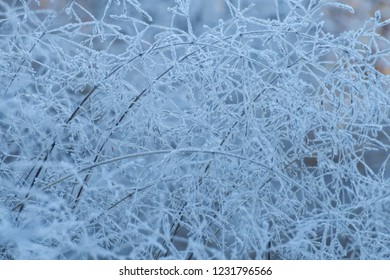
(253, 138)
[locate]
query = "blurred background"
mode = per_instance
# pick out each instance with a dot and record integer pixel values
(208, 13)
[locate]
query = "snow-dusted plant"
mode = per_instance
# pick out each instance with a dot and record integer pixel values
(254, 138)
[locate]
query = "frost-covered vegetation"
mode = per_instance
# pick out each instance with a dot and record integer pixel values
(251, 138)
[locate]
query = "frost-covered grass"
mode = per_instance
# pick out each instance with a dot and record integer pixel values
(255, 138)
